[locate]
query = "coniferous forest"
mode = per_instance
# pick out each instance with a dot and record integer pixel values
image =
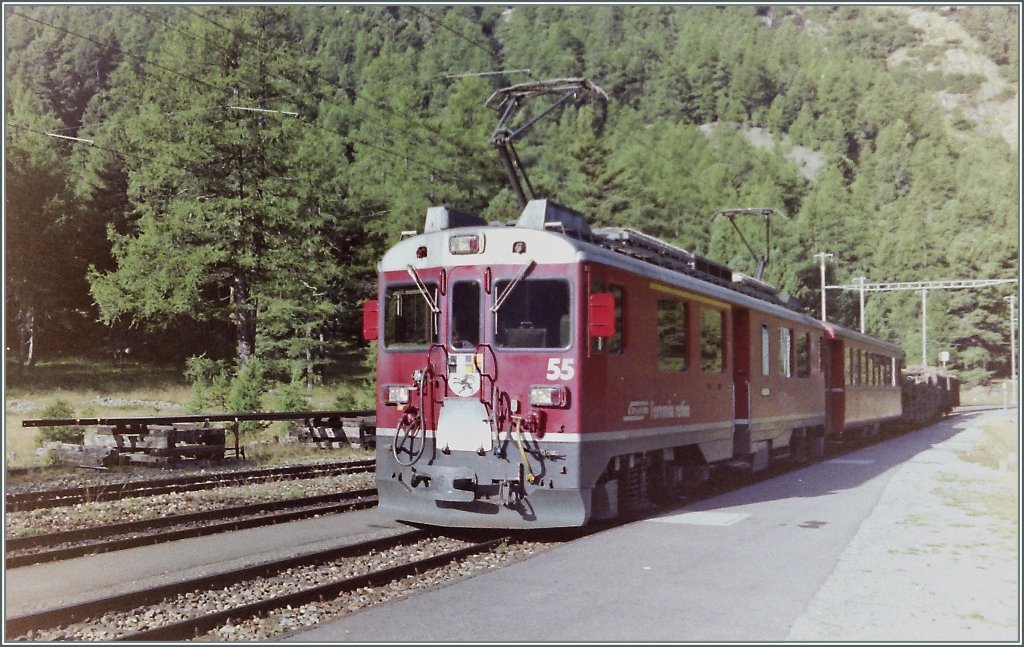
(221, 180)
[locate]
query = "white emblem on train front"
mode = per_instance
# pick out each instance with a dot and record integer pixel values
(464, 373)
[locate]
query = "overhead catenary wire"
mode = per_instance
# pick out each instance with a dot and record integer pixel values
(344, 88)
(405, 157)
(93, 144)
(440, 24)
(118, 48)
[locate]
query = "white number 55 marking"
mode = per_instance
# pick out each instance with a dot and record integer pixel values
(560, 369)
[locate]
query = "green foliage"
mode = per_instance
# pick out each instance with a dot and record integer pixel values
(291, 396)
(248, 387)
(70, 434)
(201, 221)
(964, 83)
(211, 383)
(361, 395)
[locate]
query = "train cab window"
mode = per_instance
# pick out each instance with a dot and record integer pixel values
(672, 335)
(465, 315)
(409, 321)
(766, 363)
(613, 345)
(785, 352)
(803, 354)
(534, 314)
(712, 344)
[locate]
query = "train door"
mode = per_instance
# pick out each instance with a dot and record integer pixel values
(741, 380)
(835, 387)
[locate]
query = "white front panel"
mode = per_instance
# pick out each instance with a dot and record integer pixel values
(464, 426)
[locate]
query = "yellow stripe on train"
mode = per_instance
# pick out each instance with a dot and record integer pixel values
(690, 295)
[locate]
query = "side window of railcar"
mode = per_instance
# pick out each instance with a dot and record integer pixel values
(712, 343)
(408, 319)
(534, 314)
(785, 352)
(803, 354)
(465, 315)
(672, 337)
(849, 366)
(613, 345)
(766, 360)
(821, 354)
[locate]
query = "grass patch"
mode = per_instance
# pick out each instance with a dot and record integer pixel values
(278, 453)
(1000, 440)
(993, 501)
(915, 520)
(101, 377)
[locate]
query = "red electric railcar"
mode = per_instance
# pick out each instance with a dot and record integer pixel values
(544, 374)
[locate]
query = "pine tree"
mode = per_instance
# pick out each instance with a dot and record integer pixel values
(221, 216)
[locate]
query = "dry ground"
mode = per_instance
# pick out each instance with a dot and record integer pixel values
(939, 558)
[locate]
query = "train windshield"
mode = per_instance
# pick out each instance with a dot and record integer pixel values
(534, 315)
(409, 320)
(465, 315)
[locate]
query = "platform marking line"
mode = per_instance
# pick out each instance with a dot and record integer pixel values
(704, 518)
(851, 461)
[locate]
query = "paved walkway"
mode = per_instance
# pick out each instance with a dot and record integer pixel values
(915, 539)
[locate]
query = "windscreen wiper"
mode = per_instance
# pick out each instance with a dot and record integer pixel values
(422, 287)
(511, 286)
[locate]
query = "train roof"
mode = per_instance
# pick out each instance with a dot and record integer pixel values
(835, 331)
(555, 234)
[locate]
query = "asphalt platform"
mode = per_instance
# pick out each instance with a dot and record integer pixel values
(874, 545)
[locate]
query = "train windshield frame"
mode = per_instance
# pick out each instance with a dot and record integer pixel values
(536, 315)
(465, 325)
(410, 323)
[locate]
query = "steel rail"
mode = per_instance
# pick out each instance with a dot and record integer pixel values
(53, 617)
(111, 492)
(268, 514)
(20, 625)
(192, 627)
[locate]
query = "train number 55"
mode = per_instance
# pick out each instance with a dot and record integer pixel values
(560, 369)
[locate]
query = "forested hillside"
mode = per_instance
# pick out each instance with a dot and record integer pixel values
(225, 177)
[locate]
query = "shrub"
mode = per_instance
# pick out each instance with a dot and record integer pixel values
(210, 381)
(964, 83)
(70, 434)
(291, 397)
(247, 390)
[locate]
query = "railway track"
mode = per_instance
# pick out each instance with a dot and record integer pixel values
(23, 501)
(168, 612)
(55, 546)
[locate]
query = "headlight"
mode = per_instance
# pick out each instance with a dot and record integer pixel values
(466, 244)
(549, 396)
(394, 394)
